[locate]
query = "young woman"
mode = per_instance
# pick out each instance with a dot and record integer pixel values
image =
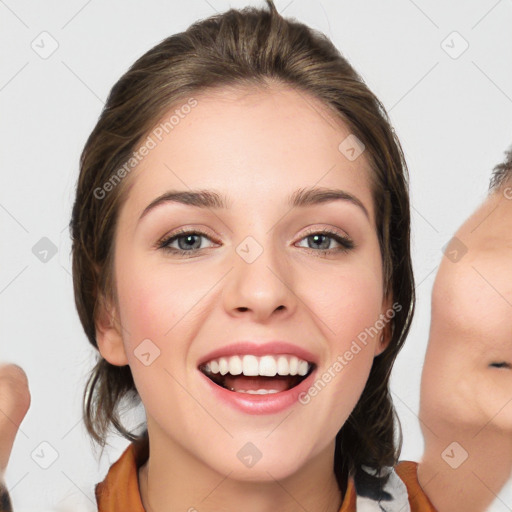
(241, 261)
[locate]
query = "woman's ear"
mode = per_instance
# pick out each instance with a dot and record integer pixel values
(108, 333)
(386, 318)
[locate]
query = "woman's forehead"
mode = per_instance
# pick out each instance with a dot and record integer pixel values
(488, 229)
(261, 148)
(479, 282)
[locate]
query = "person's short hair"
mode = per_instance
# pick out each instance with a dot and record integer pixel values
(242, 48)
(502, 173)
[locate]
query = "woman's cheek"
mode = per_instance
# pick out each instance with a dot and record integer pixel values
(150, 315)
(148, 284)
(353, 303)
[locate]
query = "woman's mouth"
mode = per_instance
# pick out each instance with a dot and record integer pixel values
(257, 375)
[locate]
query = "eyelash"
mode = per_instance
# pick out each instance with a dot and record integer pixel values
(346, 243)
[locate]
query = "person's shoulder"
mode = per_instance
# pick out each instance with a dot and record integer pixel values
(418, 500)
(119, 491)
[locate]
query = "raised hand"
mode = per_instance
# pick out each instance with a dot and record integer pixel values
(14, 404)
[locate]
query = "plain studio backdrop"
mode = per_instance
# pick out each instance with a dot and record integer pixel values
(442, 69)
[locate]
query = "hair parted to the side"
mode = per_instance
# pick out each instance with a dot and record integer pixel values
(502, 173)
(256, 48)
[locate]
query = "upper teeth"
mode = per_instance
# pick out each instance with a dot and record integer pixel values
(252, 366)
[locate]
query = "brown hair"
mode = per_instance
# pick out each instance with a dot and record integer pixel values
(502, 173)
(249, 47)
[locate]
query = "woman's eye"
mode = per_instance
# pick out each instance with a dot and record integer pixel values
(184, 242)
(187, 243)
(322, 240)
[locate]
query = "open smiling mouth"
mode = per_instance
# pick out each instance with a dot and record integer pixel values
(257, 375)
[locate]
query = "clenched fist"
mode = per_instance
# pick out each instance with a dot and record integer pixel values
(14, 404)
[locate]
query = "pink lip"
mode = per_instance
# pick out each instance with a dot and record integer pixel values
(259, 349)
(259, 404)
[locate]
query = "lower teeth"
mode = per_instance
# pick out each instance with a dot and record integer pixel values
(256, 391)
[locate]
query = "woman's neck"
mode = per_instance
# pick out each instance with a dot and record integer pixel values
(467, 475)
(173, 479)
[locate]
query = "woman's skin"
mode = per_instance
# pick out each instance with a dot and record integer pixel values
(14, 404)
(466, 389)
(257, 148)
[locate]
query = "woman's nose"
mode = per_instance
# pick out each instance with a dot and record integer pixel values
(260, 282)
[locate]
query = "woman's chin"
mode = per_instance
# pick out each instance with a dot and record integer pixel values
(265, 464)
(263, 473)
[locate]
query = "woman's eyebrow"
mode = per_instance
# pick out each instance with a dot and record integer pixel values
(212, 199)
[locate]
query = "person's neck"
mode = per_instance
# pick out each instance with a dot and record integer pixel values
(474, 484)
(173, 479)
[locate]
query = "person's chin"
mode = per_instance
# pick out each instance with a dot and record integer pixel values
(266, 473)
(256, 462)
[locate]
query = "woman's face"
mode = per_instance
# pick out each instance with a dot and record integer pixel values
(255, 289)
(467, 376)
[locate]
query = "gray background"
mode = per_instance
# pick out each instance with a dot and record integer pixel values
(452, 113)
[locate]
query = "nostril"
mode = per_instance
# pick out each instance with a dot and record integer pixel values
(502, 364)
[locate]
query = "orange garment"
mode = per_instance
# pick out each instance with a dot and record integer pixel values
(119, 491)
(408, 472)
